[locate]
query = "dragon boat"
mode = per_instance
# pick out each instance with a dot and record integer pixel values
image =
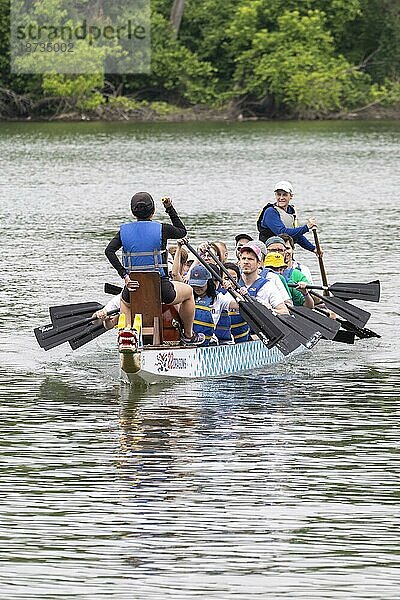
(153, 364)
(158, 354)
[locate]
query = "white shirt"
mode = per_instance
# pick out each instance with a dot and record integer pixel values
(274, 278)
(221, 302)
(269, 294)
(114, 303)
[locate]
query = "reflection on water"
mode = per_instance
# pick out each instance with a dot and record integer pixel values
(230, 489)
(280, 484)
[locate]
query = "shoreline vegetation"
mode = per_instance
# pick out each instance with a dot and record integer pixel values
(153, 112)
(220, 60)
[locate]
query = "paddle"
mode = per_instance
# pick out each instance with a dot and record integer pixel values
(87, 335)
(362, 333)
(49, 336)
(346, 337)
(253, 313)
(298, 326)
(295, 326)
(328, 327)
(356, 316)
(264, 324)
(302, 329)
(349, 328)
(370, 292)
(112, 289)
(324, 277)
(70, 311)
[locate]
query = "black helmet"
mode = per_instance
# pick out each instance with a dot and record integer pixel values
(142, 205)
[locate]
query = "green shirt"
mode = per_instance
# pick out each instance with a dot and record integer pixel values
(296, 295)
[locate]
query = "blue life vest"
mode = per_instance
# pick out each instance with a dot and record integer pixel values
(223, 327)
(254, 287)
(253, 290)
(141, 247)
(282, 276)
(239, 327)
(265, 272)
(203, 319)
(287, 273)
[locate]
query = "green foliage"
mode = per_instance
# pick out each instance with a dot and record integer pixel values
(204, 30)
(91, 102)
(129, 105)
(373, 39)
(177, 73)
(305, 59)
(163, 108)
(80, 91)
(297, 66)
(175, 67)
(386, 94)
(4, 40)
(124, 103)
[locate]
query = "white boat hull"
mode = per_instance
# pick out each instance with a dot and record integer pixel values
(158, 364)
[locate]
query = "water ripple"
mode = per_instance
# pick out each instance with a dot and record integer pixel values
(277, 484)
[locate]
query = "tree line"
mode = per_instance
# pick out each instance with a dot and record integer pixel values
(264, 58)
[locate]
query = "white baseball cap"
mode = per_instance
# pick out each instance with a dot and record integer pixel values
(286, 186)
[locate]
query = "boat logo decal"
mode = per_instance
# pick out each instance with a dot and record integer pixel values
(165, 361)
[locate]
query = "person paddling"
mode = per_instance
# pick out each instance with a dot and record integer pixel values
(210, 304)
(300, 295)
(280, 217)
(240, 240)
(239, 328)
(289, 250)
(144, 244)
(263, 290)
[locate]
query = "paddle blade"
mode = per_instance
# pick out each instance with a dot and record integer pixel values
(49, 337)
(345, 337)
(66, 326)
(305, 332)
(353, 314)
(328, 327)
(114, 290)
(370, 292)
(87, 335)
(68, 312)
(289, 342)
(362, 333)
(262, 325)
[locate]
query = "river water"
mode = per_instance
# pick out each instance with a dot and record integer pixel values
(278, 484)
